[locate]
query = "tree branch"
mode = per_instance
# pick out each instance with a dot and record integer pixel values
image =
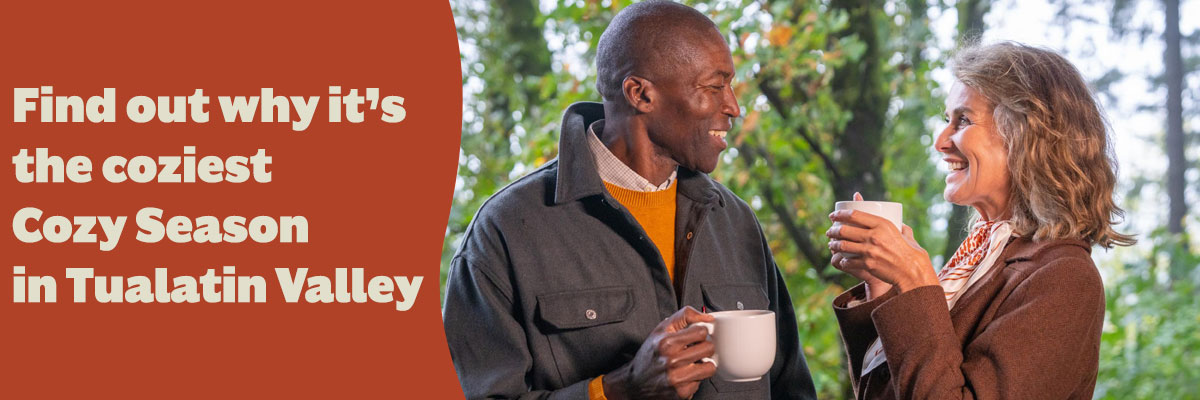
(777, 103)
(800, 235)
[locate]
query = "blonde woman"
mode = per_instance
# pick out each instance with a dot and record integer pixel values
(1017, 311)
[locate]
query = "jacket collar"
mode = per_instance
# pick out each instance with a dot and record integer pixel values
(577, 176)
(1022, 249)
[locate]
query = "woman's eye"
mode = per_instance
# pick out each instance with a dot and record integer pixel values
(962, 121)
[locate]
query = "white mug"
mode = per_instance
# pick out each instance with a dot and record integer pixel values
(745, 343)
(890, 211)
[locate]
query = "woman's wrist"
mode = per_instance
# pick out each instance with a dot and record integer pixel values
(905, 285)
(875, 288)
(920, 274)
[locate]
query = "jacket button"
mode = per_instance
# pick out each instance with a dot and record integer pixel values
(590, 314)
(741, 306)
(689, 236)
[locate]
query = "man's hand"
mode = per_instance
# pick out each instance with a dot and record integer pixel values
(667, 366)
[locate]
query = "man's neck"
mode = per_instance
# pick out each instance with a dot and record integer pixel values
(630, 143)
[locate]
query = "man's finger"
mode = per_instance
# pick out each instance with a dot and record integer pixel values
(691, 315)
(684, 318)
(672, 343)
(691, 373)
(687, 390)
(691, 354)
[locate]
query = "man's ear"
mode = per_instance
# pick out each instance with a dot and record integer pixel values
(639, 93)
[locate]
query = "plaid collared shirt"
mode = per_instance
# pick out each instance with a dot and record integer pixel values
(613, 171)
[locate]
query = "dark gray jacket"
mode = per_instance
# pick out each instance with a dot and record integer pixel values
(556, 283)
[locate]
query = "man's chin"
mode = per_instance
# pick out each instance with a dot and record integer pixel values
(701, 164)
(707, 168)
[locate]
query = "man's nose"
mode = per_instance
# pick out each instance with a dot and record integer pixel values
(730, 104)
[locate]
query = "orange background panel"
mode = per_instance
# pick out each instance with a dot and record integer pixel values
(376, 195)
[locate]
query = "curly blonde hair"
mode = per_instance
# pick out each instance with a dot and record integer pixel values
(1060, 159)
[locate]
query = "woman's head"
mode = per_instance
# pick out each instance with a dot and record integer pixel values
(976, 154)
(1027, 142)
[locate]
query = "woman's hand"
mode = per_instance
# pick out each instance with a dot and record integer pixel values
(884, 254)
(874, 286)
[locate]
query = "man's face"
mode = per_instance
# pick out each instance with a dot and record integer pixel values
(696, 107)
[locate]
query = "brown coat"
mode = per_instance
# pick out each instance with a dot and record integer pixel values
(1030, 329)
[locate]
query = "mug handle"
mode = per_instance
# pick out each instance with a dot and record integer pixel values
(710, 327)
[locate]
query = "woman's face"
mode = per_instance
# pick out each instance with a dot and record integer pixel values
(974, 153)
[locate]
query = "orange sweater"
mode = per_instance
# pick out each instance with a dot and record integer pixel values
(655, 212)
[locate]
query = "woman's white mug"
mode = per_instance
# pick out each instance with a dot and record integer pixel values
(890, 211)
(745, 343)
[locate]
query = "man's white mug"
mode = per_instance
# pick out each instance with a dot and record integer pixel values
(890, 211)
(745, 343)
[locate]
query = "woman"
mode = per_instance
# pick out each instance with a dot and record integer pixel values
(1017, 312)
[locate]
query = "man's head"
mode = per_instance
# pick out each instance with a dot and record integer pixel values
(667, 67)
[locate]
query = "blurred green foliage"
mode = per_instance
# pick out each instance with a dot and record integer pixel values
(1152, 326)
(837, 98)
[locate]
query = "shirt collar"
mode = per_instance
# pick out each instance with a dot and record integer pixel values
(576, 176)
(614, 171)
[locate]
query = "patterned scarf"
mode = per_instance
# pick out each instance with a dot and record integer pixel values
(966, 259)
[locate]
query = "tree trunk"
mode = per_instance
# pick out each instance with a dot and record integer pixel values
(970, 18)
(1176, 163)
(860, 88)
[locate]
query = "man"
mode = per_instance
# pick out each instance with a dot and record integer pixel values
(582, 279)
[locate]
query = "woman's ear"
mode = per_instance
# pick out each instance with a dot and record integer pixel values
(640, 93)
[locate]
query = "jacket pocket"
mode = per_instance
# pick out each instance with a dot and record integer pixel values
(735, 296)
(587, 332)
(585, 308)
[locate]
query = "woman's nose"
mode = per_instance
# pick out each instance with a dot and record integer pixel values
(942, 142)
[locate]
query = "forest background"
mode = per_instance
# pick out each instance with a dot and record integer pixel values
(843, 96)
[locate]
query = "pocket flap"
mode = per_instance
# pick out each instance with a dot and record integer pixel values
(735, 296)
(585, 308)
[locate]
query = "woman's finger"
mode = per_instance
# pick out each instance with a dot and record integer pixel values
(845, 246)
(858, 196)
(836, 260)
(852, 265)
(860, 218)
(848, 232)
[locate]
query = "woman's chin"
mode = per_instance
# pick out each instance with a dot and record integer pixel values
(954, 185)
(952, 195)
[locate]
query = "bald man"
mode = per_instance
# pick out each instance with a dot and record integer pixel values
(582, 280)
